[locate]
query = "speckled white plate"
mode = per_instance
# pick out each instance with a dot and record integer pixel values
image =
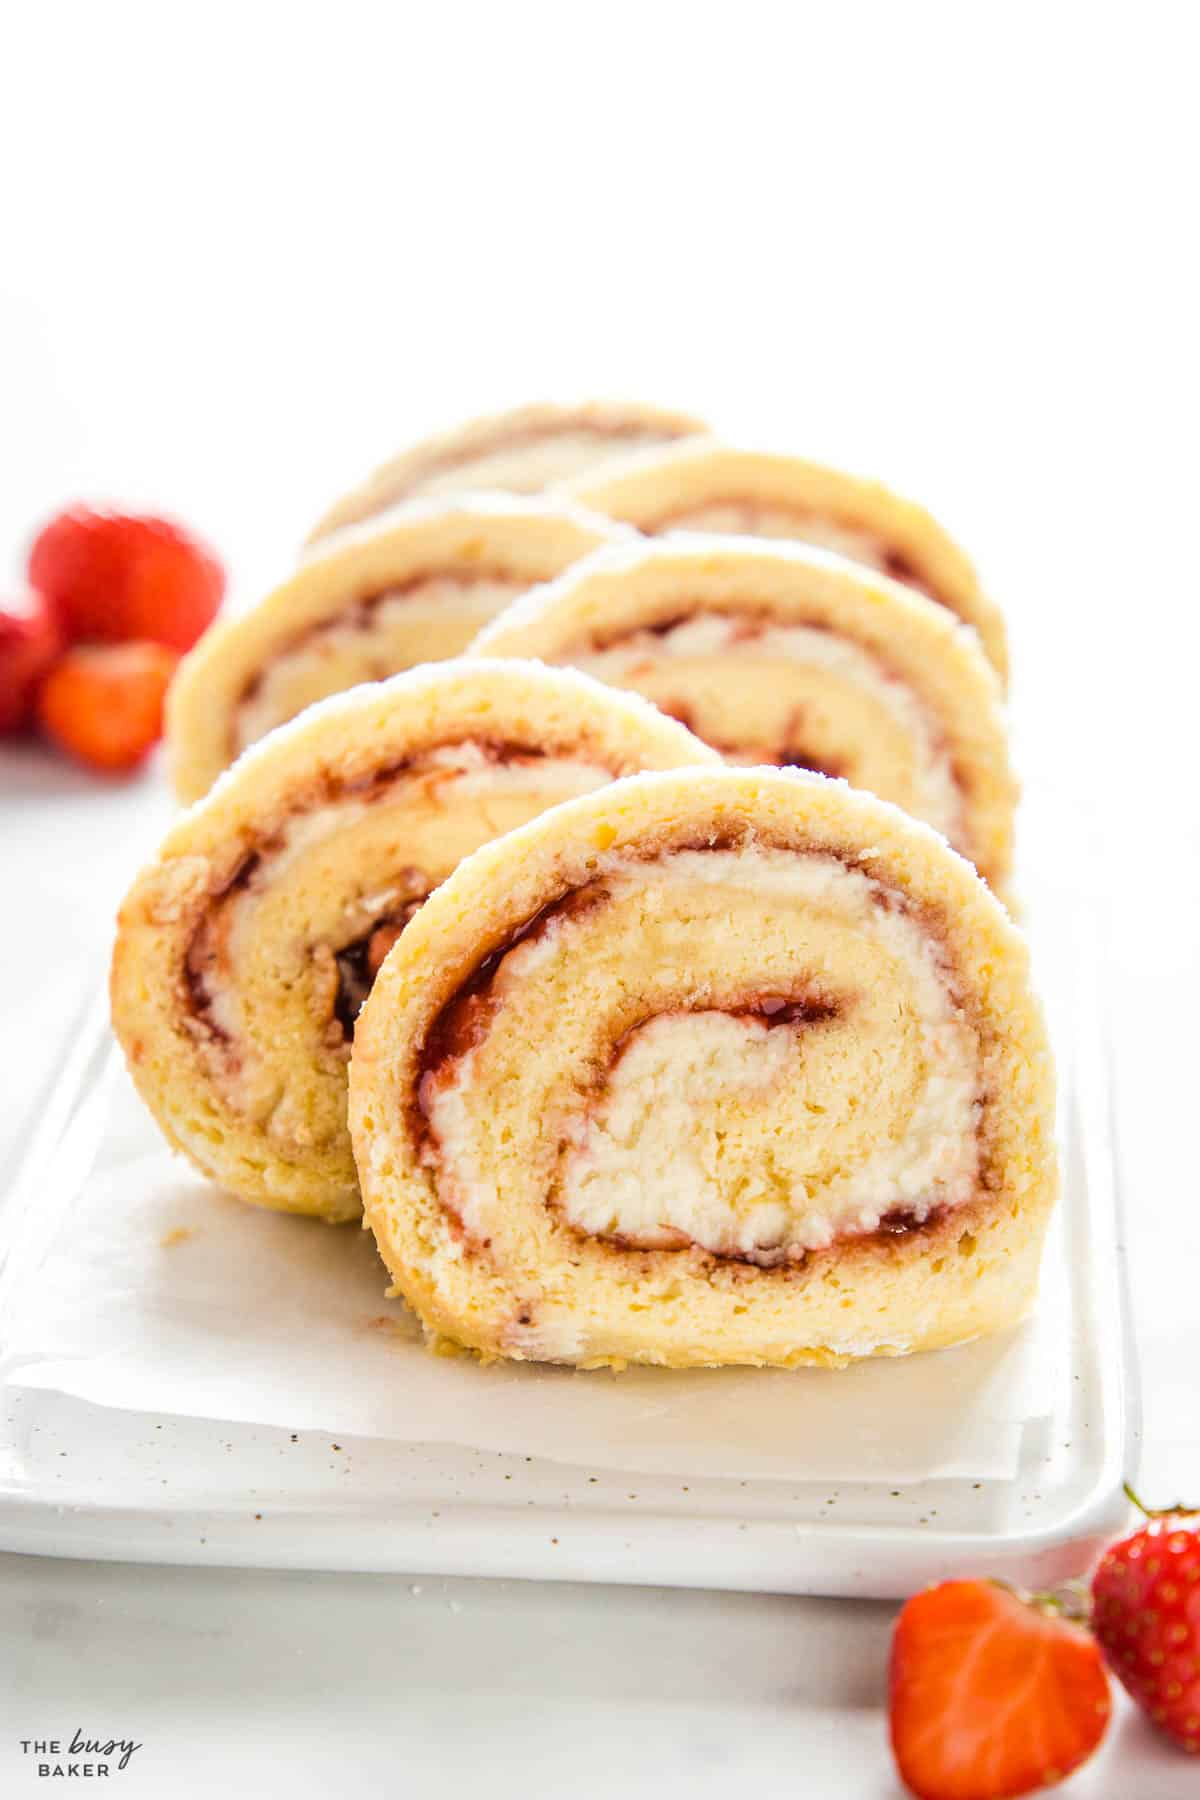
(78, 1479)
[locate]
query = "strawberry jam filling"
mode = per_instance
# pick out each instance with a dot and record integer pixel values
(761, 1126)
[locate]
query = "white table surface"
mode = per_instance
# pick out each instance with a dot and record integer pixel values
(949, 244)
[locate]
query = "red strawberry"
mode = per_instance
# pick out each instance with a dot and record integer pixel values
(103, 703)
(992, 1694)
(118, 577)
(1146, 1614)
(29, 642)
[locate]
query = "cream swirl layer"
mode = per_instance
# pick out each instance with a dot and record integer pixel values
(375, 636)
(722, 653)
(832, 1094)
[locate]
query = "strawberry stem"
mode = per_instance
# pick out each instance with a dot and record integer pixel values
(1179, 1510)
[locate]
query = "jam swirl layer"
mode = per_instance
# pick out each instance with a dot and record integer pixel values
(752, 1054)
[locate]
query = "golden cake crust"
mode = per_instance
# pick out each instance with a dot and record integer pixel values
(666, 490)
(295, 853)
(631, 591)
(489, 542)
(535, 1286)
(473, 456)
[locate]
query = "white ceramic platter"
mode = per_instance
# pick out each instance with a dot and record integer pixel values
(82, 1480)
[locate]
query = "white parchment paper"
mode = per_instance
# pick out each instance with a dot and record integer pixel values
(131, 1283)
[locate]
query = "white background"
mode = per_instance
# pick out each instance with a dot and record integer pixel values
(247, 251)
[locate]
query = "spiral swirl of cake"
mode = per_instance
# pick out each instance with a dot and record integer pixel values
(785, 654)
(706, 486)
(517, 452)
(245, 949)
(410, 587)
(713, 1066)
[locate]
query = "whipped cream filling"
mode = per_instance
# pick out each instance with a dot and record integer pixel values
(718, 634)
(686, 1140)
(361, 635)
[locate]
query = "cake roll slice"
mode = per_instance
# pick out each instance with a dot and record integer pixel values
(781, 653)
(705, 486)
(246, 948)
(713, 1066)
(517, 452)
(413, 586)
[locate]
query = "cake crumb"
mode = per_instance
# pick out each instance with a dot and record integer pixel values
(178, 1235)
